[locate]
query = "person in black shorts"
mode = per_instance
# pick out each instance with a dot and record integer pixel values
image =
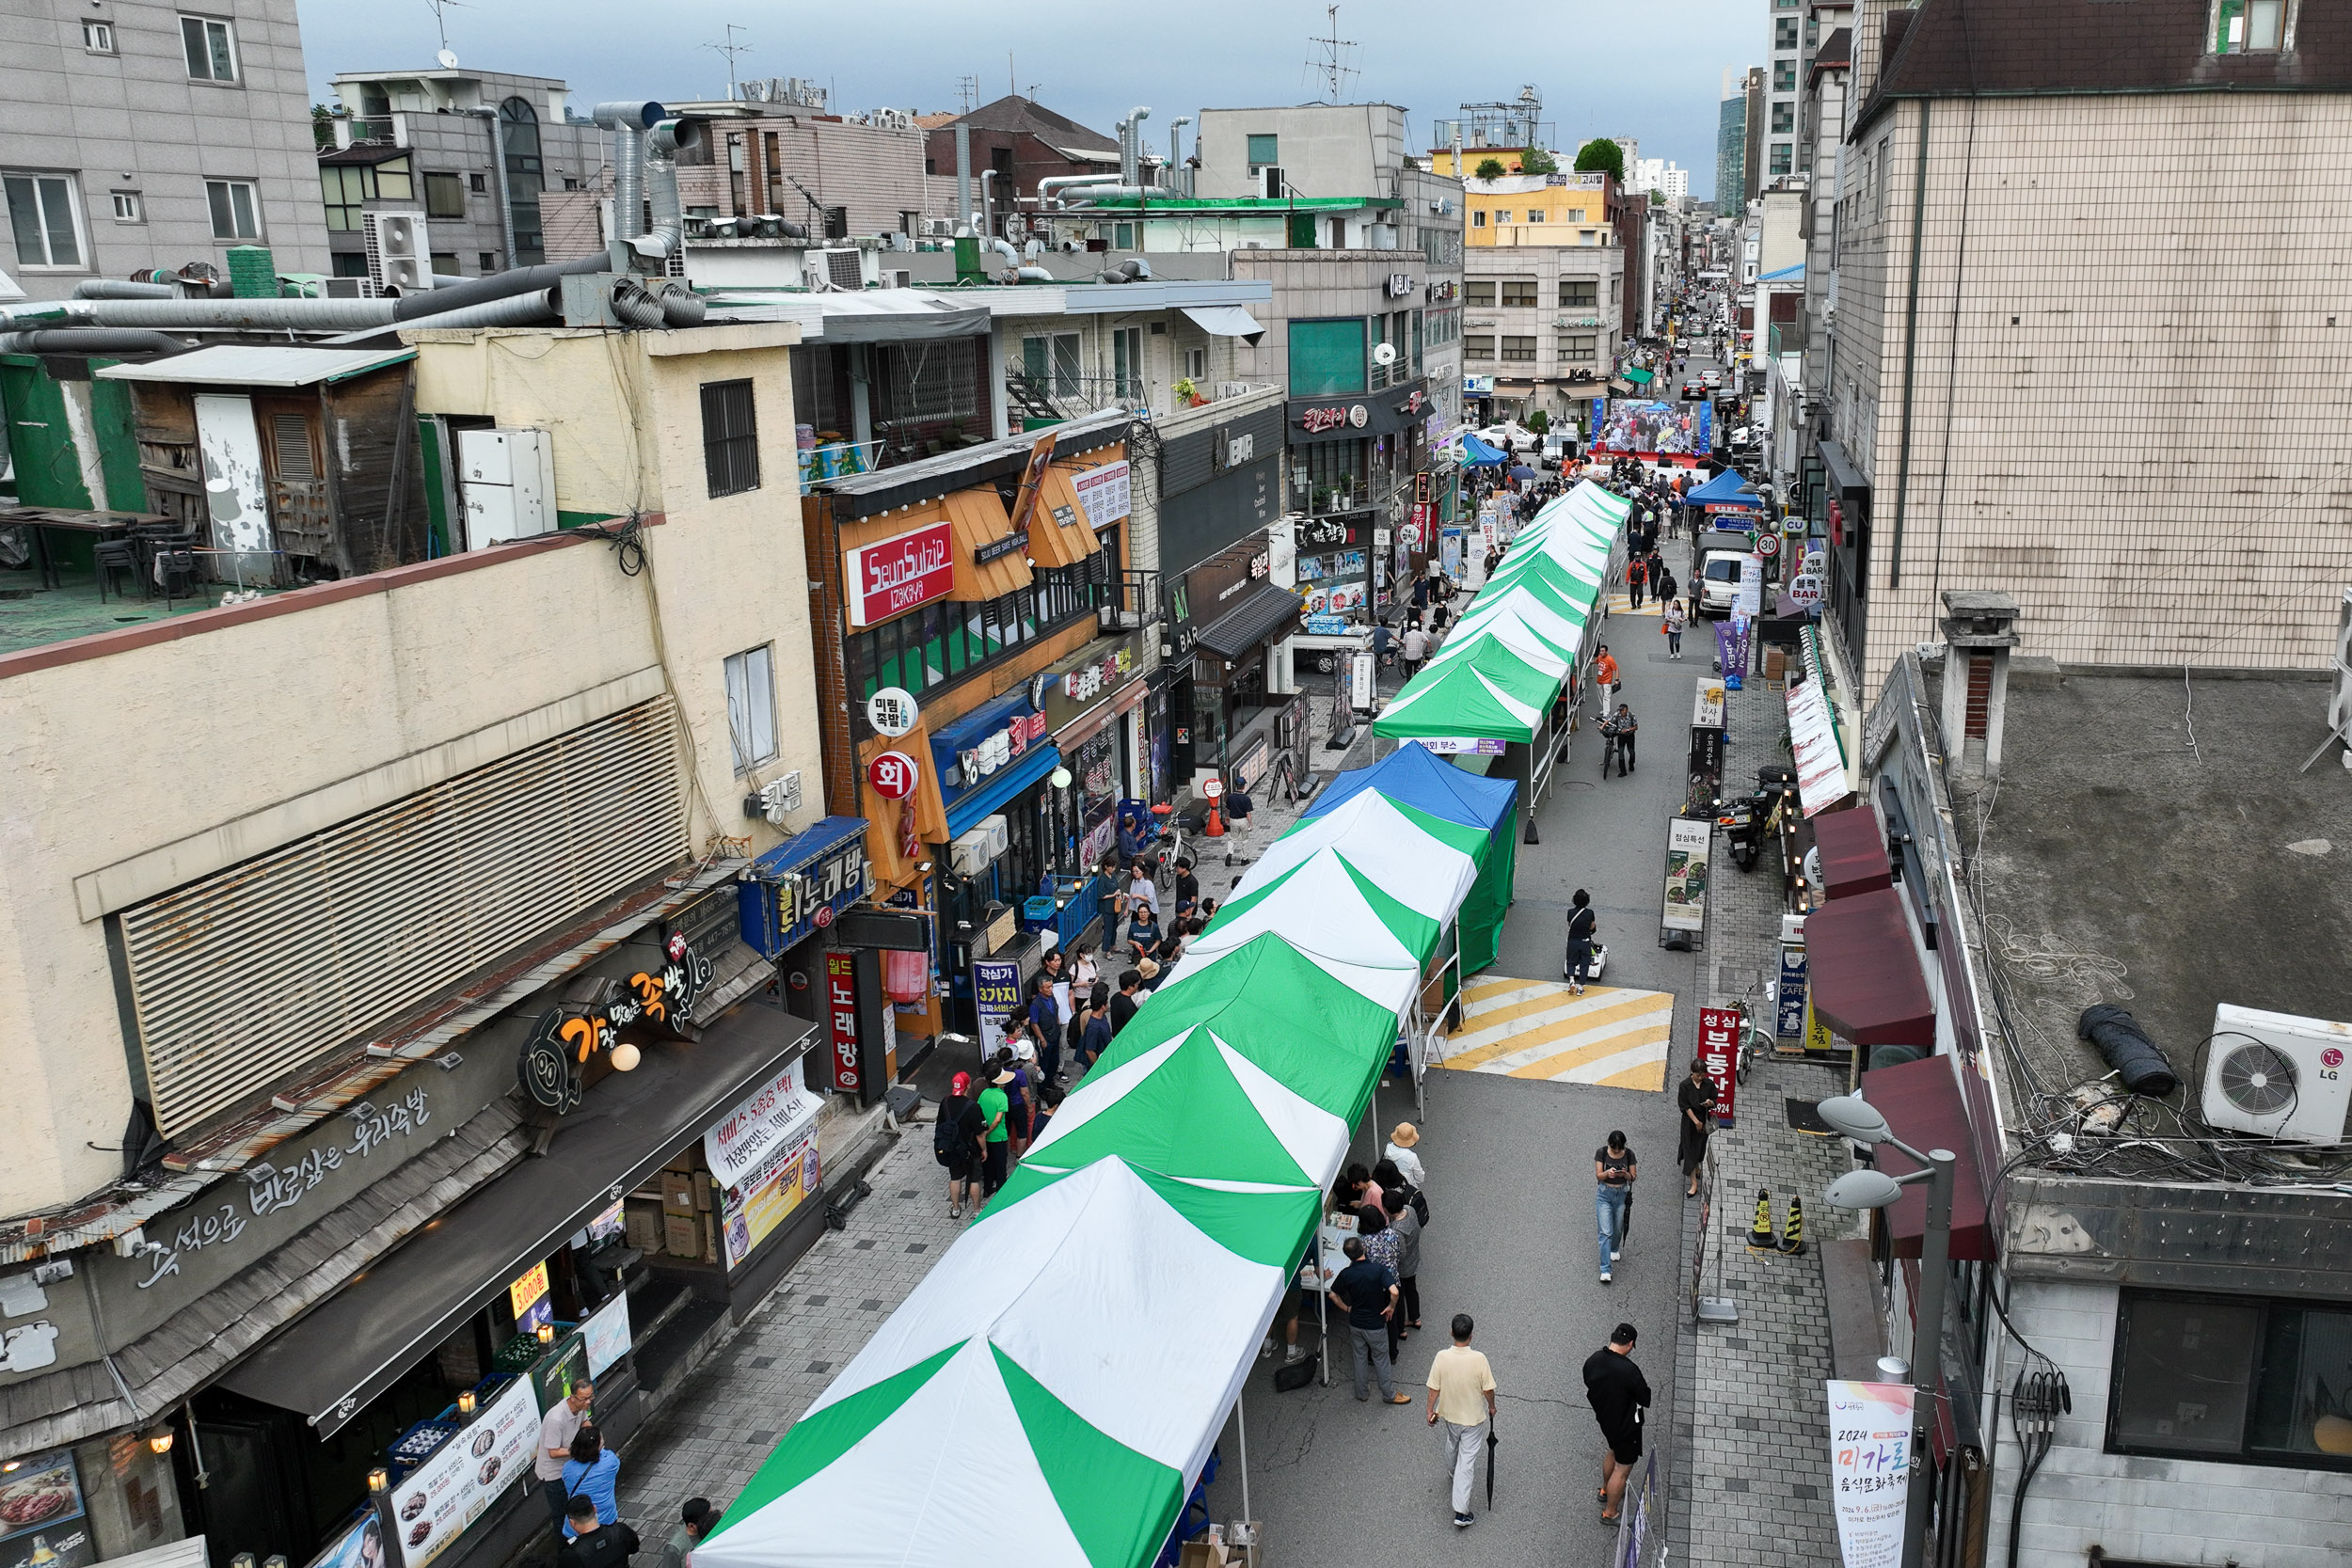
(1620, 1395)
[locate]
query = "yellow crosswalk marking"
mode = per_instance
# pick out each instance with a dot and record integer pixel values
(1540, 1030)
(1622, 604)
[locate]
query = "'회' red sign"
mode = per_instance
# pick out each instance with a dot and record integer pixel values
(900, 573)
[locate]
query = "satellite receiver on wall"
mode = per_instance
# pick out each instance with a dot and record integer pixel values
(1384, 353)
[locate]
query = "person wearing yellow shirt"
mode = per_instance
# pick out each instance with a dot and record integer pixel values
(1462, 1407)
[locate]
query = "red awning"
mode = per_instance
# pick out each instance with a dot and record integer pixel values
(1863, 971)
(1854, 851)
(1922, 1106)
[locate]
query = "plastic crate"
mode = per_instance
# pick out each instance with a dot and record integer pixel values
(519, 1354)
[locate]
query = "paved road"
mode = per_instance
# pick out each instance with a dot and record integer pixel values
(1511, 1234)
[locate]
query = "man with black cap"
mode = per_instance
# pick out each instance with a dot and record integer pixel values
(699, 1516)
(1620, 1395)
(595, 1546)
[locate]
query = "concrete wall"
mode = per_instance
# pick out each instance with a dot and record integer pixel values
(2155, 1510)
(134, 121)
(1326, 149)
(1168, 338)
(120, 746)
(2142, 396)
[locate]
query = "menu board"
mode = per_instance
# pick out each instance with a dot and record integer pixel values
(42, 1523)
(433, 1503)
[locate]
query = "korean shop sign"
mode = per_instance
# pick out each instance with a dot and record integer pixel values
(901, 572)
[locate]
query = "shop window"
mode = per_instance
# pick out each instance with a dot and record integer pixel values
(2238, 1379)
(751, 708)
(211, 48)
(1478, 290)
(236, 209)
(2249, 26)
(1580, 294)
(1518, 350)
(1326, 357)
(730, 438)
(444, 197)
(1520, 292)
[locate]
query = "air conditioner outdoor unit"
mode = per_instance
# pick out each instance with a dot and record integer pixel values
(1270, 182)
(969, 854)
(400, 250)
(939, 228)
(2278, 1075)
(999, 834)
(843, 267)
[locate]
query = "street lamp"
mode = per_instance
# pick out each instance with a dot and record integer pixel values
(1854, 1118)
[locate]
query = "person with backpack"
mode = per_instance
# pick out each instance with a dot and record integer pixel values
(956, 1142)
(1582, 926)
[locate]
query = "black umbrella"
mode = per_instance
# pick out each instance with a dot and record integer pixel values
(1491, 1441)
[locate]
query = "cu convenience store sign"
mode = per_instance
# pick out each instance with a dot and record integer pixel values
(900, 573)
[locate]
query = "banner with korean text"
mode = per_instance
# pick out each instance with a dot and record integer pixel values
(1869, 1467)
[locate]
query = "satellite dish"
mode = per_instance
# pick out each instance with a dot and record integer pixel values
(448, 58)
(1384, 353)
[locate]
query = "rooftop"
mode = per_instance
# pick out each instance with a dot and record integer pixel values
(1014, 113)
(2151, 844)
(32, 616)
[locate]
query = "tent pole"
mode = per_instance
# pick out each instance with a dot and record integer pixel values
(1241, 1424)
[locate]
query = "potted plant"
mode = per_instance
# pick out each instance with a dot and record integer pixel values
(1187, 393)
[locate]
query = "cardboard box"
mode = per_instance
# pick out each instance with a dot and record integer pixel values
(682, 1235)
(641, 1222)
(677, 1193)
(706, 1192)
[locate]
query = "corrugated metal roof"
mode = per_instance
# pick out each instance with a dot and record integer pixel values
(260, 365)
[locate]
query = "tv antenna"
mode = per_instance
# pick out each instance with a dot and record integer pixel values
(440, 19)
(729, 50)
(1334, 68)
(968, 89)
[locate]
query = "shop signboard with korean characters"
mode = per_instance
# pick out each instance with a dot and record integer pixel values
(1718, 1055)
(1687, 843)
(1870, 1433)
(763, 1159)
(903, 571)
(433, 1503)
(1105, 494)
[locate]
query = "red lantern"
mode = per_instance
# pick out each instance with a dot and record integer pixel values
(1836, 523)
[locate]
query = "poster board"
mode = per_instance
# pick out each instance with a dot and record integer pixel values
(996, 992)
(1688, 842)
(1869, 1467)
(45, 1521)
(435, 1503)
(606, 1334)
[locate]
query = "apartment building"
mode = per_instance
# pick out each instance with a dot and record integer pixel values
(1013, 144)
(1738, 133)
(151, 137)
(2022, 395)
(1544, 290)
(1793, 32)
(476, 151)
(834, 175)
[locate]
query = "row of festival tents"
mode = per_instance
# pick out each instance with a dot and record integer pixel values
(1049, 1393)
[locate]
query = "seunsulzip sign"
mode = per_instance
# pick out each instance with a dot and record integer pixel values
(899, 574)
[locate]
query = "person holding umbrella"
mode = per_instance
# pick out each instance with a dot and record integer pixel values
(1462, 1407)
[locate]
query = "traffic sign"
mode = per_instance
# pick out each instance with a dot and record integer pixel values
(892, 711)
(893, 775)
(1768, 544)
(1213, 788)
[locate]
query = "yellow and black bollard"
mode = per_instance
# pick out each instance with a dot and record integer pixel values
(1792, 1233)
(1760, 1232)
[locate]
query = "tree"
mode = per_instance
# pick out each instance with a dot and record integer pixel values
(1538, 421)
(1601, 155)
(1489, 169)
(1536, 161)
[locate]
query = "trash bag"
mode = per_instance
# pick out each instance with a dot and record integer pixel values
(2124, 1046)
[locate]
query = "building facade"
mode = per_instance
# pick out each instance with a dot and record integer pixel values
(832, 175)
(1544, 292)
(1014, 144)
(477, 152)
(144, 138)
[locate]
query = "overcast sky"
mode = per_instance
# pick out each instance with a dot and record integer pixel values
(1650, 71)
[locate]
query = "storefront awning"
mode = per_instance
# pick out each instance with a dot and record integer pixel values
(990, 795)
(1638, 376)
(1854, 852)
(1264, 611)
(1226, 321)
(1922, 1105)
(1866, 977)
(328, 1365)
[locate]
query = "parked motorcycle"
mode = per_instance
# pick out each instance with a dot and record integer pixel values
(1751, 823)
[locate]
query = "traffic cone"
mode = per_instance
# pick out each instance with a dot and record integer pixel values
(1792, 1233)
(1214, 826)
(1760, 1232)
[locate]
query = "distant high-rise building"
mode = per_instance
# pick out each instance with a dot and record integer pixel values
(1731, 143)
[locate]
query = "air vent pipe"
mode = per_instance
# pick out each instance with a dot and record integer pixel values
(663, 143)
(109, 288)
(629, 121)
(89, 340)
(964, 177)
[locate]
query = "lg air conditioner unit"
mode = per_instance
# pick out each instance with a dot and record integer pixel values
(399, 251)
(2277, 1075)
(999, 834)
(1270, 184)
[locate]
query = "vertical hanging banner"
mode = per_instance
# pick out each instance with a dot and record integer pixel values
(1719, 1054)
(1869, 1467)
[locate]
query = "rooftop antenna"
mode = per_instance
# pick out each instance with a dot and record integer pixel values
(440, 19)
(1334, 68)
(968, 89)
(730, 49)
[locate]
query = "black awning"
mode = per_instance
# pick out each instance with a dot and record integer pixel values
(1262, 612)
(1842, 477)
(349, 1347)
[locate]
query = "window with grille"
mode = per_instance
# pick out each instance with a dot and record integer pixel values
(730, 437)
(364, 921)
(211, 47)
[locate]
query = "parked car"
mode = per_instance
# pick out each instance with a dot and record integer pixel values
(1510, 437)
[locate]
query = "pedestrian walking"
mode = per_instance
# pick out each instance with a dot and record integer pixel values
(698, 1518)
(1613, 1170)
(593, 1472)
(1366, 1292)
(956, 1142)
(1402, 1146)
(1582, 925)
(1675, 620)
(1124, 1006)
(1624, 726)
(1605, 676)
(1636, 572)
(1405, 1222)
(1462, 1408)
(1020, 1095)
(1620, 1395)
(592, 1543)
(1416, 647)
(1097, 1037)
(995, 1107)
(1696, 1101)
(556, 1430)
(1046, 1025)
